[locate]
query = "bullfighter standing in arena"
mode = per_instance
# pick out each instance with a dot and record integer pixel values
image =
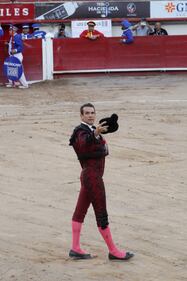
(91, 149)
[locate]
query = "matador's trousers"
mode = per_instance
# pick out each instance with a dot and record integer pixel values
(92, 192)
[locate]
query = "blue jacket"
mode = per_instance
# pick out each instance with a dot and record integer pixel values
(39, 34)
(1, 31)
(128, 36)
(16, 43)
(127, 33)
(26, 36)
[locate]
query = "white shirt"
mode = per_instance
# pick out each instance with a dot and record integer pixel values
(92, 129)
(90, 126)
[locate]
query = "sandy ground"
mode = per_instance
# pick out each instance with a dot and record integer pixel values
(145, 179)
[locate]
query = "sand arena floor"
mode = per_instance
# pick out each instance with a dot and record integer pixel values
(145, 179)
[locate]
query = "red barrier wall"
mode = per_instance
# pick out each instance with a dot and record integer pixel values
(108, 53)
(32, 60)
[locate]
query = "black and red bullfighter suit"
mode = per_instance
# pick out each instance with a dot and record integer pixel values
(91, 152)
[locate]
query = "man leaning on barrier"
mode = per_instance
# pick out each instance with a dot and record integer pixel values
(158, 30)
(91, 33)
(142, 28)
(127, 36)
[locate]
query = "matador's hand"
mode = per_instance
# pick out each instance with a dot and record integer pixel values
(101, 128)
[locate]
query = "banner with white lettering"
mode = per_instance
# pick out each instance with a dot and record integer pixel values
(104, 26)
(97, 9)
(12, 68)
(168, 9)
(13, 12)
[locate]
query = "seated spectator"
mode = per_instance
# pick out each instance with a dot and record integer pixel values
(158, 30)
(1, 31)
(142, 28)
(25, 32)
(127, 32)
(37, 33)
(62, 32)
(91, 33)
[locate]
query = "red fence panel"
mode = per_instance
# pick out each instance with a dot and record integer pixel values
(32, 59)
(175, 51)
(79, 54)
(110, 54)
(143, 53)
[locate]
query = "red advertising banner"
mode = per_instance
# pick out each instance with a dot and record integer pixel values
(16, 12)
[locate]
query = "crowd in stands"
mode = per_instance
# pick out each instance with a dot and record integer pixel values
(140, 29)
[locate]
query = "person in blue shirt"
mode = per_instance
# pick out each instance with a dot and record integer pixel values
(1, 31)
(37, 33)
(127, 32)
(25, 32)
(15, 48)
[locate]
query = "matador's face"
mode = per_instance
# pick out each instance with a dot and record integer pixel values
(88, 115)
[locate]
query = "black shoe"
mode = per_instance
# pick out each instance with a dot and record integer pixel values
(125, 258)
(75, 255)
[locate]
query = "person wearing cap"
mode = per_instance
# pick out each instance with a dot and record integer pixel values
(62, 32)
(25, 32)
(37, 33)
(91, 33)
(142, 28)
(1, 31)
(127, 36)
(15, 48)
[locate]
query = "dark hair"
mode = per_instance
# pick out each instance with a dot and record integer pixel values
(86, 105)
(62, 26)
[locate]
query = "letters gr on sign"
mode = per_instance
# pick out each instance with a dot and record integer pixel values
(181, 7)
(97, 9)
(12, 68)
(168, 9)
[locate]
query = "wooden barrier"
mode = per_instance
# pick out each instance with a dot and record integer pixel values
(152, 53)
(110, 55)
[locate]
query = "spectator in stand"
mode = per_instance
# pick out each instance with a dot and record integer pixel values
(142, 28)
(25, 32)
(62, 32)
(1, 31)
(91, 33)
(127, 32)
(158, 30)
(37, 33)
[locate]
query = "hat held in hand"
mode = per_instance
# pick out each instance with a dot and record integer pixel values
(111, 122)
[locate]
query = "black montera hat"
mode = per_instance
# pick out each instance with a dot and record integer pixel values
(111, 122)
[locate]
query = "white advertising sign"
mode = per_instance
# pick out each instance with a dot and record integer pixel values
(104, 26)
(168, 9)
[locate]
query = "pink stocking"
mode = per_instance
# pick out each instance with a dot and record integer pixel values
(76, 231)
(107, 236)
